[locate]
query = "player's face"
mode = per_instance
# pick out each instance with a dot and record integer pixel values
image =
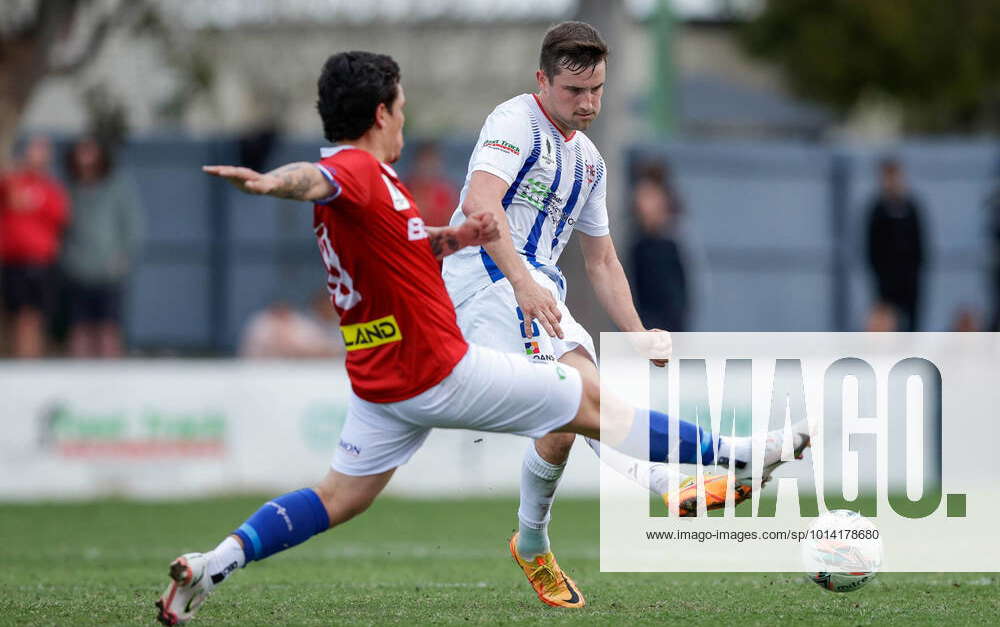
(573, 99)
(394, 121)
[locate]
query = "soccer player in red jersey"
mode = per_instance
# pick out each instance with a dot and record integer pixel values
(409, 366)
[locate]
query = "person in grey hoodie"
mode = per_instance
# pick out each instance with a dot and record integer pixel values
(99, 250)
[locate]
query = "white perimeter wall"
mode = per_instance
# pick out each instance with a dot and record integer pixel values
(175, 429)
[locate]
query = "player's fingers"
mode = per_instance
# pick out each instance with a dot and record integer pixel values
(547, 325)
(258, 186)
(491, 232)
(659, 363)
(554, 312)
(552, 323)
(217, 170)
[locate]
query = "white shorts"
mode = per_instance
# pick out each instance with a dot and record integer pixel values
(491, 317)
(487, 391)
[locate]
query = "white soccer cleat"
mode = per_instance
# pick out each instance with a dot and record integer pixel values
(189, 588)
(773, 444)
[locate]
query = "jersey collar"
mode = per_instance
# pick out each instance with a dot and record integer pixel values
(565, 137)
(329, 151)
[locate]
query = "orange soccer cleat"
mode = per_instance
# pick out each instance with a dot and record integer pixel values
(715, 494)
(551, 584)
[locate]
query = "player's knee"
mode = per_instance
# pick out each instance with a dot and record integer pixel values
(588, 417)
(554, 447)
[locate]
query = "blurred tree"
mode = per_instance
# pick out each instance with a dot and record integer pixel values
(41, 38)
(937, 60)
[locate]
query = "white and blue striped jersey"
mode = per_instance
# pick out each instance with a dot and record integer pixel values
(556, 183)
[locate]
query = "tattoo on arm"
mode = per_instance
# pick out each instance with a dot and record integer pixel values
(295, 181)
(443, 242)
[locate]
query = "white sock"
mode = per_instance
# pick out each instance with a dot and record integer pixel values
(225, 559)
(735, 449)
(655, 477)
(539, 479)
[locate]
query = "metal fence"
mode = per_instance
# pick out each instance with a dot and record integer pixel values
(773, 232)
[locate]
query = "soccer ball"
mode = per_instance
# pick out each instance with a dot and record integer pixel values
(842, 551)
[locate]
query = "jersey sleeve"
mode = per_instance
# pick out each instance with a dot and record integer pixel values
(593, 218)
(504, 144)
(350, 174)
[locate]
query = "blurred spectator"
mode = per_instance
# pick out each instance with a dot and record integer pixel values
(33, 211)
(435, 194)
(965, 320)
(896, 250)
(661, 285)
(101, 247)
(993, 206)
(282, 332)
(326, 318)
(882, 319)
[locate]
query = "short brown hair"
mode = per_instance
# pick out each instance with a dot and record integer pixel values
(573, 46)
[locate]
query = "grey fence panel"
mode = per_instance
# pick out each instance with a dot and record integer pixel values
(757, 232)
(774, 235)
(952, 181)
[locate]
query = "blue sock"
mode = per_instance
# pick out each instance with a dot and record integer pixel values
(280, 524)
(695, 442)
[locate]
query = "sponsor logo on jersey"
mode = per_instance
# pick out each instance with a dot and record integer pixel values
(561, 373)
(370, 334)
(351, 449)
(531, 348)
(399, 200)
(537, 194)
(547, 159)
(415, 229)
(502, 146)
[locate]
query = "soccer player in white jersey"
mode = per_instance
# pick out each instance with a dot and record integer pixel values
(543, 178)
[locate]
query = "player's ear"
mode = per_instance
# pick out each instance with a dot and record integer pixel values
(543, 80)
(381, 113)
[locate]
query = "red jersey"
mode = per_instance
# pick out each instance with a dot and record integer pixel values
(32, 215)
(397, 319)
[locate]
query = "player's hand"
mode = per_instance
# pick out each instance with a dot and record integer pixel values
(478, 229)
(661, 345)
(537, 303)
(244, 179)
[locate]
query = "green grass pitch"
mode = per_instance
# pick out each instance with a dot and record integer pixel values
(413, 562)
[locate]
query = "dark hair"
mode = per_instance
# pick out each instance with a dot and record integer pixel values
(105, 163)
(573, 46)
(890, 164)
(351, 87)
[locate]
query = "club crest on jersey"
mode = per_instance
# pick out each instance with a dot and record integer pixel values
(371, 334)
(591, 173)
(399, 201)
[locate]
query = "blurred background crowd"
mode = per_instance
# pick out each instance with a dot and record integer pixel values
(774, 165)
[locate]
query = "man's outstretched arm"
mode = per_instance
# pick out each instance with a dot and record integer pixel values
(296, 181)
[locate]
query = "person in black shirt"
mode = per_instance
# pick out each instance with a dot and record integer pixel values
(896, 249)
(660, 280)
